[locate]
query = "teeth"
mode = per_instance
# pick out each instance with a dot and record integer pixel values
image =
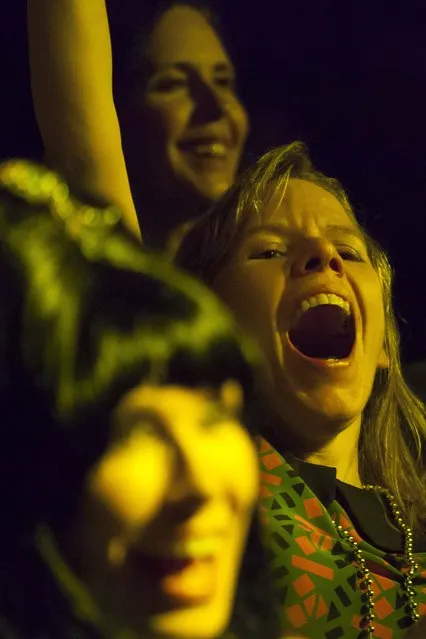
(323, 298)
(195, 548)
(215, 149)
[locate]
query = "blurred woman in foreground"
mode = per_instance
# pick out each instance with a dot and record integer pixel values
(126, 397)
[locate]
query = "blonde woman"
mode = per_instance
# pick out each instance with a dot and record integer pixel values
(343, 448)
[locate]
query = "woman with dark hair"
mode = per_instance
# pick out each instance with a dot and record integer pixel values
(176, 115)
(126, 398)
(343, 454)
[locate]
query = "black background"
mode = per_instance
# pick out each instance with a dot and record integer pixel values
(348, 78)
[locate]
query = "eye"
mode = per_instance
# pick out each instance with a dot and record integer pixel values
(146, 423)
(216, 416)
(169, 84)
(350, 254)
(269, 254)
(226, 82)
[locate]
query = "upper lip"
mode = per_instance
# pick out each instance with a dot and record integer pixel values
(168, 547)
(182, 536)
(325, 290)
(207, 139)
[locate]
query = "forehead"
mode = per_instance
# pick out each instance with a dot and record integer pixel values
(169, 397)
(305, 206)
(183, 34)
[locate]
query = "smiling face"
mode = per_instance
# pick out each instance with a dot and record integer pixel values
(187, 128)
(306, 246)
(164, 519)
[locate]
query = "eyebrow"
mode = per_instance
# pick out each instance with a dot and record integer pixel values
(281, 229)
(189, 67)
(345, 230)
(136, 414)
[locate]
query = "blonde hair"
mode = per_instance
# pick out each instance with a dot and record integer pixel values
(393, 432)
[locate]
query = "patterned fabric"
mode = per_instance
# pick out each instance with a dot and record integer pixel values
(314, 569)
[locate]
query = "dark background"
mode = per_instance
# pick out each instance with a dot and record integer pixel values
(347, 77)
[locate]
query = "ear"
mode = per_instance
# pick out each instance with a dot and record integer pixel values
(383, 361)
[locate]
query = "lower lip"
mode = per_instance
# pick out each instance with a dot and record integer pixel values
(205, 158)
(186, 582)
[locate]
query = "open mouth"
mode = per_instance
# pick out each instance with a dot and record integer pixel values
(183, 581)
(324, 332)
(205, 149)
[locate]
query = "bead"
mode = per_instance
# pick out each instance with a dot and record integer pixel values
(64, 209)
(367, 594)
(91, 217)
(48, 182)
(111, 216)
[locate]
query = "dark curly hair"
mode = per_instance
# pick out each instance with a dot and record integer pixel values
(76, 333)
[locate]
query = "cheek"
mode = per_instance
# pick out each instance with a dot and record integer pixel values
(166, 120)
(253, 297)
(241, 119)
(375, 310)
(130, 484)
(239, 451)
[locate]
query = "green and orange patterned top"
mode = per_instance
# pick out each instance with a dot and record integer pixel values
(317, 578)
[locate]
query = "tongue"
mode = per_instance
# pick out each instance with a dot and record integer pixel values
(324, 332)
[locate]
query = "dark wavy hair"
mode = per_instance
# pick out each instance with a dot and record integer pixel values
(75, 334)
(131, 24)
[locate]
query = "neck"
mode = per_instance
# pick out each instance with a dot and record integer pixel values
(164, 220)
(339, 451)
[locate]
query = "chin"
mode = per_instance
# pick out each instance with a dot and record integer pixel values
(334, 412)
(211, 186)
(213, 192)
(195, 624)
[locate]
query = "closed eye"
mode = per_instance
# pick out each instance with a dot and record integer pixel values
(169, 84)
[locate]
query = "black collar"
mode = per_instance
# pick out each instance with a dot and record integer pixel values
(369, 511)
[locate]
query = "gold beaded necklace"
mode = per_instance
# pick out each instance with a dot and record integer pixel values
(368, 627)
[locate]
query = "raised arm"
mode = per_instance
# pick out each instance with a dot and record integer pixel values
(71, 78)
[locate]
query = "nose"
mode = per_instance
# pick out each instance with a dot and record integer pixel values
(317, 255)
(211, 105)
(193, 480)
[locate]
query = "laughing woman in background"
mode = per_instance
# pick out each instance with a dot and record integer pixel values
(169, 102)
